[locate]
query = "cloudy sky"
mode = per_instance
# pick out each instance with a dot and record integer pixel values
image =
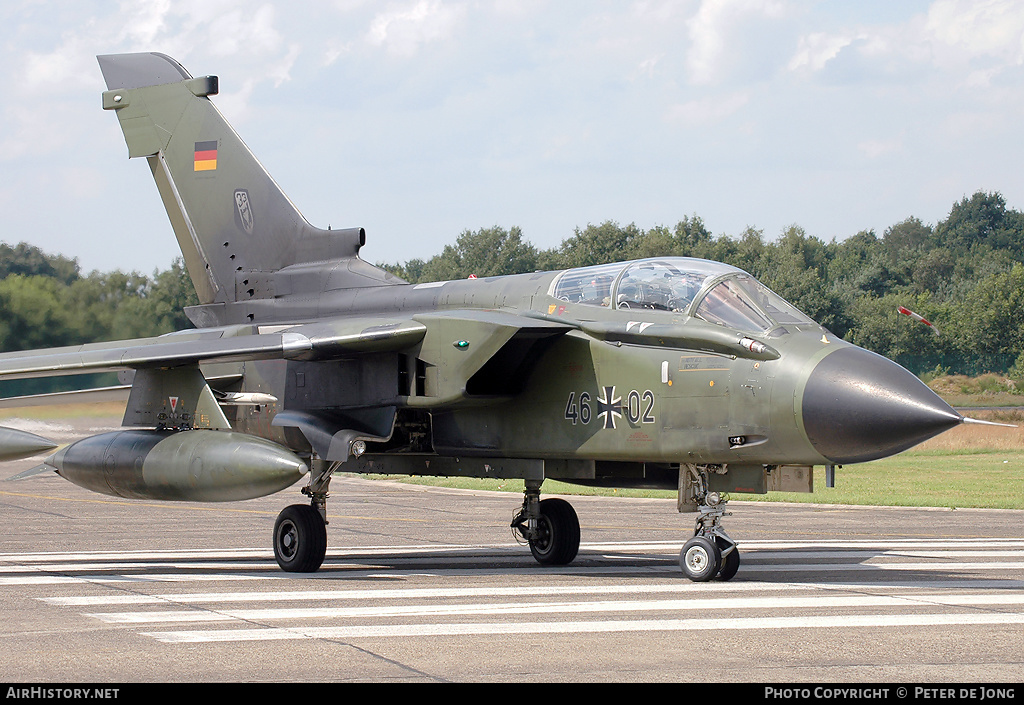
(419, 119)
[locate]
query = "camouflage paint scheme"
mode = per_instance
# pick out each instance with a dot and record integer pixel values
(667, 372)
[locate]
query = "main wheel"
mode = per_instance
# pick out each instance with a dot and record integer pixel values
(558, 530)
(300, 539)
(700, 559)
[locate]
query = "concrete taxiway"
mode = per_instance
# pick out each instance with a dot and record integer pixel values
(426, 584)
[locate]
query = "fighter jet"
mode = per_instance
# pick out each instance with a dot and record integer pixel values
(306, 361)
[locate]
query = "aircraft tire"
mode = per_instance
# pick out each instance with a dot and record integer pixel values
(730, 563)
(559, 527)
(700, 559)
(300, 539)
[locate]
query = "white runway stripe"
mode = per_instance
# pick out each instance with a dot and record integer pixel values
(43, 579)
(682, 587)
(701, 624)
(834, 567)
(665, 547)
(750, 571)
(577, 607)
(759, 558)
(237, 553)
(666, 570)
(853, 584)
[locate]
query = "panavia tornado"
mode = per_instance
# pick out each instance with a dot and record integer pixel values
(306, 361)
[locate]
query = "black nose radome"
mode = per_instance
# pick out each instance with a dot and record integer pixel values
(859, 406)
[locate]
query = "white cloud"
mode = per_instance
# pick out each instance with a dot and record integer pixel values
(876, 149)
(28, 132)
(550, 113)
(718, 32)
(979, 27)
(144, 21)
(970, 41)
(242, 30)
(54, 70)
(816, 50)
(707, 111)
(281, 72)
(334, 51)
(402, 31)
(647, 66)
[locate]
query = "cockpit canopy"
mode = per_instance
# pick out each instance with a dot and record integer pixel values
(715, 292)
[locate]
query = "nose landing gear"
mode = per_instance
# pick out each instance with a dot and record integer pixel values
(710, 554)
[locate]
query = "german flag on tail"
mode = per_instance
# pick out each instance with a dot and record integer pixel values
(206, 156)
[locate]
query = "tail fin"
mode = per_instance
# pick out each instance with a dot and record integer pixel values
(234, 225)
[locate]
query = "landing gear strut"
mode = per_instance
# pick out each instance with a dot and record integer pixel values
(550, 526)
(710, 553)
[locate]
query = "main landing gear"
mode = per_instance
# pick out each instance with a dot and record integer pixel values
(710, 553)
(300, 539)
(549, 526)
(300, 532)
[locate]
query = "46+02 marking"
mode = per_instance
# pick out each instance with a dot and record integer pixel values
(639, 407)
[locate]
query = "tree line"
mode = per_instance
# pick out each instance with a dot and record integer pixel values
(46, 301)
(964, 274)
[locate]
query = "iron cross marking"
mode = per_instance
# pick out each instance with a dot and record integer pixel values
(609, 406)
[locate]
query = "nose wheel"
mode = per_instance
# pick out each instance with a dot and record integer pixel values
(700, 559)
(710, 554)
(730, 558)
